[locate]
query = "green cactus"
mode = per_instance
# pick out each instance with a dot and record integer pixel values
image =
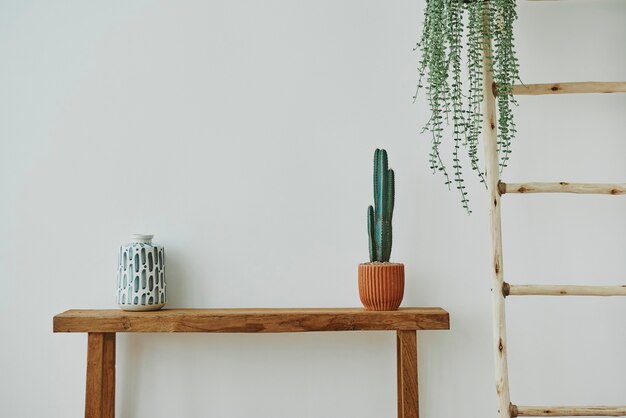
(379, 216)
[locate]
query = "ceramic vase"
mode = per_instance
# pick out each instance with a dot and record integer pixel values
(141, 275)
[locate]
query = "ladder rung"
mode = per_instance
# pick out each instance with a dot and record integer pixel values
(562, 290)
(568, 411)
(562, 187)
(566, 88)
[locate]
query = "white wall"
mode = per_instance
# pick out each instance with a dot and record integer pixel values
(241, 134)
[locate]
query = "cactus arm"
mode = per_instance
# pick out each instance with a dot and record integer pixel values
(370, 233)
(391, 185)
(387, 242)
(376, 185)
(381, 205)
(385, 214)
(384, 195)
(378, 240)
(383, 173)
(388, 230)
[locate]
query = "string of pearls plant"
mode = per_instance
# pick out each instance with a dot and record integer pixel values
(456, 101)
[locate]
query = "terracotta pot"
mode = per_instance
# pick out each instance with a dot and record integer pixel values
(381, 286)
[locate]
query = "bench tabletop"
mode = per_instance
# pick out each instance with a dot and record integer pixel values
(251, 320)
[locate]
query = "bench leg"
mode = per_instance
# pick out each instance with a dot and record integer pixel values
(408, 402)
(100, 394)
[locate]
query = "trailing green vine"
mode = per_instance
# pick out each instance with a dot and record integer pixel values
(505, 71)
(455, 102)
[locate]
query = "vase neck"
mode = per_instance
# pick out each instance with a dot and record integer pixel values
(144, 239)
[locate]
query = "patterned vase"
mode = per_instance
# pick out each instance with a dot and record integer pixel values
(141, 275)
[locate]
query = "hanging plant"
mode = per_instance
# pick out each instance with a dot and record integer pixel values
(455, 98)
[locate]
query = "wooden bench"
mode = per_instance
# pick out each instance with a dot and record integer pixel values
(102, 325)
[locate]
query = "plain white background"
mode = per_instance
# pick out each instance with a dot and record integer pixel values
(241, 133)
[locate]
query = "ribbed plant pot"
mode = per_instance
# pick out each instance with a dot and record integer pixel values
(381, 285)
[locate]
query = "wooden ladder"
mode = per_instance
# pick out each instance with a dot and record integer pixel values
(502, 289)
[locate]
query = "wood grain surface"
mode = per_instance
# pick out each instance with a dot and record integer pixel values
(492, 172)
(563, 187)
(251, 320)
(408, 399)
(570, 88)
(569, 411)
(100, 387)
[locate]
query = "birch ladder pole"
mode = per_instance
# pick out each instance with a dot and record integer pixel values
(501, 289)
(492, 171)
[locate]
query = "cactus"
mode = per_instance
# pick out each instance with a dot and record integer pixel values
(379, 216)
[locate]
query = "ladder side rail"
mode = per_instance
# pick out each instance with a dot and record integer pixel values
(492, 171)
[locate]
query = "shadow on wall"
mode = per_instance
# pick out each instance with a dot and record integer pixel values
(180, 289)
(131, 375)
